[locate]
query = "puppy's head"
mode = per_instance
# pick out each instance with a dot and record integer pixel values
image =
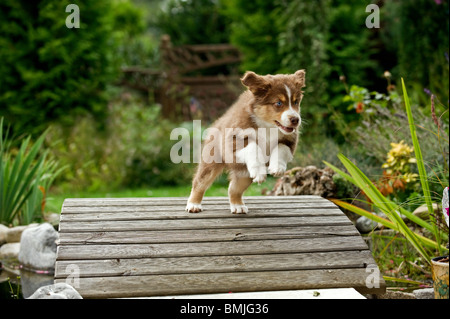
(277, 99)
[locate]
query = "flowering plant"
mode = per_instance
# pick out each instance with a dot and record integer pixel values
(398, 174)
(426, 247)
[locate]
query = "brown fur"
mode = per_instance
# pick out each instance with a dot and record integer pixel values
(255, 106)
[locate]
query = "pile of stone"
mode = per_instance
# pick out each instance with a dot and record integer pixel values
(10, 241)
(308, 180)
(34, 248)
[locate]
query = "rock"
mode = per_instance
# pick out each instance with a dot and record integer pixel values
(38, 247)
(427, 293)
(14, 234)
(306, 181)
(422, 211)
(365, 225)
(3, 231)
(56, 291)
(30, 282)
(53, 219)
(9, 251)
(396, 295)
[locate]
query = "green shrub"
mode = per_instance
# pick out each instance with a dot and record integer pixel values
(52, 73)
(26, 175)
(132, 151)
(254, 29)
(417, 38)
(193, 22)
(425, 247)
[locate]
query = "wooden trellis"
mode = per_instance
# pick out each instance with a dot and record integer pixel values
(183, 94)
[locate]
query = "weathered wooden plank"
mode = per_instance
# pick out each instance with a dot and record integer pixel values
(229, 234)
(192, 265)
(75, 252)
(160, 285)
(72, 202)
(180, 207)
(114, 213)
(194, 224)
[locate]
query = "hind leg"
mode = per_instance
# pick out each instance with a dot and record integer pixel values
(237, 187)
(205, 176)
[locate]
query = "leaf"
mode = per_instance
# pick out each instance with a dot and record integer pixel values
(420, 164)
(388, 207)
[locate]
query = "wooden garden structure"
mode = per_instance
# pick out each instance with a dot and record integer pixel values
(142, 247)
(180, 85)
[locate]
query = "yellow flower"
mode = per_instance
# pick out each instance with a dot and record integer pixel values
(400, 149)
(410, 177)
(398, 160)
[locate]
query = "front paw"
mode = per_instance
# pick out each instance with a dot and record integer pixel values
(277, 170)
(238, 209)
(193, 208)
(258, 174)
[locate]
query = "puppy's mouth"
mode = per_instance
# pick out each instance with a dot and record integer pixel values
(285, 128)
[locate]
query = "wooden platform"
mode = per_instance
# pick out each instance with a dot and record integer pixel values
(137, 247)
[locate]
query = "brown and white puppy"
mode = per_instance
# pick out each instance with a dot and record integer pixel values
(258, 133)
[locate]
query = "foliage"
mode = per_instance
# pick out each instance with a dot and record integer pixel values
(193, 22)
(382, 120)
(328, 38)
(132, 151)
(303, 44)
(254, 29)
(398, 182)
(421, 60)
(25, 176)
(52, 73)
(390, 208)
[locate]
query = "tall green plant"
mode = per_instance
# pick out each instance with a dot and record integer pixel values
(420, 164)
(391, 209)
(20, 178)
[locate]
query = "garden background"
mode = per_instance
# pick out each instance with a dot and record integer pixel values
(100, 138)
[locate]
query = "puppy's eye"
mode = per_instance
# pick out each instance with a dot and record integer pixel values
(279, 103)
(296, 102)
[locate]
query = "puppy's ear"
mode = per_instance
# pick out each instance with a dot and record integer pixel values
(257, 84)
(300, 78)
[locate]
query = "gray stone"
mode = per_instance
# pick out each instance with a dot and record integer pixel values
(9, 250)
(38, 247)
(31, 281)
(14, 234)
(422, 211)
(308, 180)
(56, 291)
(426, 293)
(396, 295)
(3, 231)
(365, 225)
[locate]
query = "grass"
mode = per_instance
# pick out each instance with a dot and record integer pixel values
(400, 266)
(219, 188)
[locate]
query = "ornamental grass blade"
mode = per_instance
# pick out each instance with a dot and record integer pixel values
(362, 212)
(388, 207)
(387, 223)
(340, 172)
(17, 175)
(420, 164)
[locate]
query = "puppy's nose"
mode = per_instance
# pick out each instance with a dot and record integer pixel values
(294, 120)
